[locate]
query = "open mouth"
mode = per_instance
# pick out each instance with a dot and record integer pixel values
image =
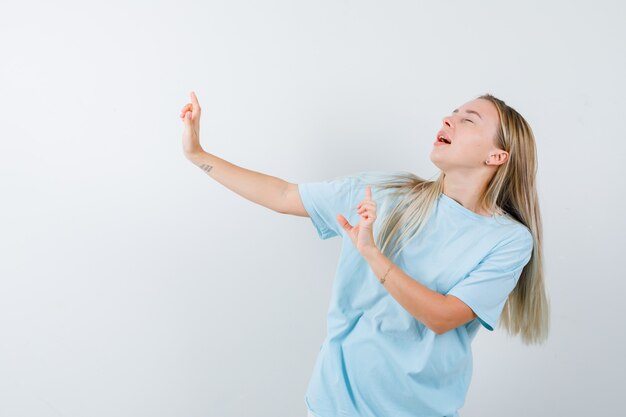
(444, 140)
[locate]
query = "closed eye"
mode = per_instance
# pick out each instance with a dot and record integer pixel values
(469, 120)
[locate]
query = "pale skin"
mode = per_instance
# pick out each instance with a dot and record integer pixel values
(473, 157)
(468, 162)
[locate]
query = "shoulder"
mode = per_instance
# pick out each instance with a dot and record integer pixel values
(517, 231)
(516, 242)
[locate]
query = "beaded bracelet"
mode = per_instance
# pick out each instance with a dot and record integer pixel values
(382, 280)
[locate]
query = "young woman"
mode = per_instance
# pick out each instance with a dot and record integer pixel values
(424, 263)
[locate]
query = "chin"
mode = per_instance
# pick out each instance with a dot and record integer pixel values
(439, 164)
(435, 161)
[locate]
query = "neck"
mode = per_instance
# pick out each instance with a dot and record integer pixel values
(467, 189)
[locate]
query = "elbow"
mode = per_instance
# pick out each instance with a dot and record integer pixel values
(440, 329)
(454, 313)
(445, 326)
(436, 326)
(441, 325)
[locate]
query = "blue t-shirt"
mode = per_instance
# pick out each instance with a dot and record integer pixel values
(377, 359)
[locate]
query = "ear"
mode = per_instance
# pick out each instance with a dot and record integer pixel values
(498, 157)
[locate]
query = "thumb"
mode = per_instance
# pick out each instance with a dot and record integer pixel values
(343, 222)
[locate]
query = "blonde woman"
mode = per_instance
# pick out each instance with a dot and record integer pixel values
(424, 263)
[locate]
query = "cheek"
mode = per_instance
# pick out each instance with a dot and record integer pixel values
(472, 147)
(472, 151)
(478, 146)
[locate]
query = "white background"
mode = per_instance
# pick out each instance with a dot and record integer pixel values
(132, 284)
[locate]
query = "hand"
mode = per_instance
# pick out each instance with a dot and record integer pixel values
(362, 235)
(190, 115)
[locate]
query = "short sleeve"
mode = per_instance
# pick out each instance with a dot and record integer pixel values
(323, 200)
(486, 288)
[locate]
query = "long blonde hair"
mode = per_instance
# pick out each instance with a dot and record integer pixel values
(513, 190)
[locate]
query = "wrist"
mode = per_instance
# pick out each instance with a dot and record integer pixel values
(370, 253)
(196, 156)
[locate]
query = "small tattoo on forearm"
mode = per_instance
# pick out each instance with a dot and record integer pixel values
(206, 168)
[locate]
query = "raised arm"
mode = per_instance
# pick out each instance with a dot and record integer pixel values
(269, 191)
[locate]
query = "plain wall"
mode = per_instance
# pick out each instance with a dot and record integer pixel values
(133, 284)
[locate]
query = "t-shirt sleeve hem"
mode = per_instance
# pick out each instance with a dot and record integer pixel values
(482, 318)
(323, 231)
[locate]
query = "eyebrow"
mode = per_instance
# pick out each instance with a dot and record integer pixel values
(468, 111)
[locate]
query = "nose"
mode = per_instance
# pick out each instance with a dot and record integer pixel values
(447, 121)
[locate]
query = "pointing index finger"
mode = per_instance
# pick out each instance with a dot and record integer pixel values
(194, 101)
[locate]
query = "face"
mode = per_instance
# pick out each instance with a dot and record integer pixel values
(471, 130)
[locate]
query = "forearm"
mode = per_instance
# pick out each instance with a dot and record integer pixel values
(421, 302)
(257, 187)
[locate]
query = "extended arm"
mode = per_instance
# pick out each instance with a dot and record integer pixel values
(266, 190)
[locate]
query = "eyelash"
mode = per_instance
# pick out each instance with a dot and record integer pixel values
(468, 120)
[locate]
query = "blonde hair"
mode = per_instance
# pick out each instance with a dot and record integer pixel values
(513, 190)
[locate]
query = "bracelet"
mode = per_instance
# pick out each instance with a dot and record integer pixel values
(382, 280)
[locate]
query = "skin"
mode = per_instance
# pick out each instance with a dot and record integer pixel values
(463, 161)
(190, 115)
